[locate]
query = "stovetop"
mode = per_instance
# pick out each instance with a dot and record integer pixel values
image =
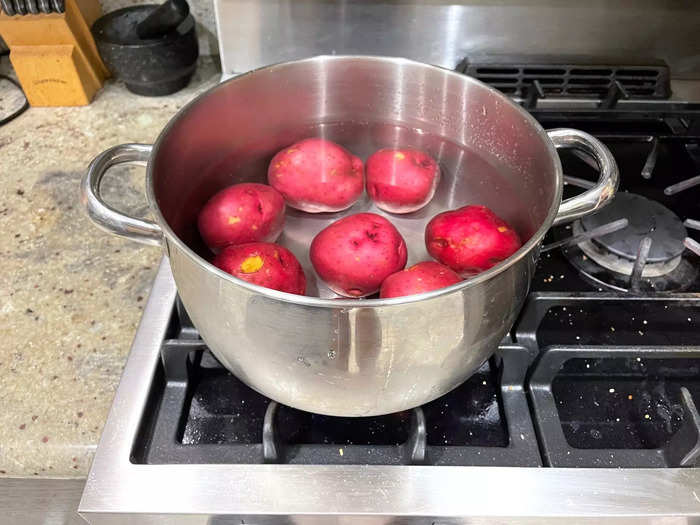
(591, 376)
(610, 381)
(597, 383)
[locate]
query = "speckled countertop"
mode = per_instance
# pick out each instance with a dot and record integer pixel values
(70, 295)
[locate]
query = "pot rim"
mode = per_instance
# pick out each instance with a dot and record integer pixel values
(304, 300)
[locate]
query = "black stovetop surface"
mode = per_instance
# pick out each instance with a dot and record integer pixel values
(589, 377)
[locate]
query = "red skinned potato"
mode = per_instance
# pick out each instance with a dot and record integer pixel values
(265, 264)
(355, 254)
(419, 278)
(470, 239)
(241, 213)
(317, 175)
(401, 180)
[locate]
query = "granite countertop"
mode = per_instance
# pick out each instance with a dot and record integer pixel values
(71, 295)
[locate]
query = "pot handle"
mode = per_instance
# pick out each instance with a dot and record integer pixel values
(101, 213)
(599, 195)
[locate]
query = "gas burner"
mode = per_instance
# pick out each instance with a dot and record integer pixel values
(646, 218)
(646, 255)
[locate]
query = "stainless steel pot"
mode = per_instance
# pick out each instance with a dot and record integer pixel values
(339, 356)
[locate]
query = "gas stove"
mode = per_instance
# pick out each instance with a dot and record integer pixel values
(589, 407)
(595, 388)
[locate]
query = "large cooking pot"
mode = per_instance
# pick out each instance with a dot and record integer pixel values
(340, 356)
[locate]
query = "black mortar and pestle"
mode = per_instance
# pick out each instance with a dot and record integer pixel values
(152, 48)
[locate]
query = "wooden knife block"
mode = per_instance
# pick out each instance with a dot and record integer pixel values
(55, 56)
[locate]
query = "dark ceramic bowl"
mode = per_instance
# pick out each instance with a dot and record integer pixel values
(151, 67)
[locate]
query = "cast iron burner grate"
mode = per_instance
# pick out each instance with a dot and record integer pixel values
(201, 413)
(613, 380)
(616, 378)
(539, 77)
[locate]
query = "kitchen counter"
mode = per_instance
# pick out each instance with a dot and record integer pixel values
(71, 295)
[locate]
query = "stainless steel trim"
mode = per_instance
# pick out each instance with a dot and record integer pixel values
(118, 491)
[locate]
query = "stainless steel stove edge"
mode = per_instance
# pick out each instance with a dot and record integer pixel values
(118, 491)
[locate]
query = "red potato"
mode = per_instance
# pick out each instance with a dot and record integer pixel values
(317, 175)
(265, 264)
(355, 254)
(419, 278)
(241, 213)
(401, 180)
(470, 239)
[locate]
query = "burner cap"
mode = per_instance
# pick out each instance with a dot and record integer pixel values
(647, 218)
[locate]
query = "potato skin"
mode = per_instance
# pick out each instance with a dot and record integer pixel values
(470, 239)
(355, 254)
(401, 180)
(317, 175)
(265, 264)
(419, 278)
(242, 213)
